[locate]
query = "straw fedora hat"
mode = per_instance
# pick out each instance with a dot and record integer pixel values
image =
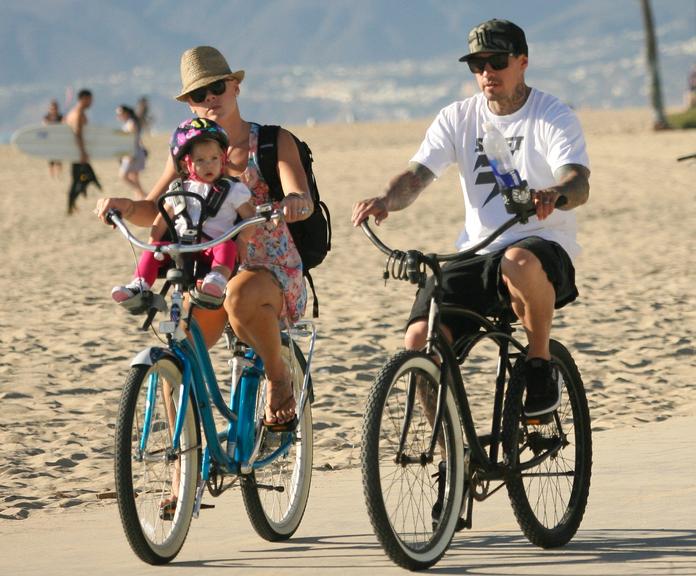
(201, 66)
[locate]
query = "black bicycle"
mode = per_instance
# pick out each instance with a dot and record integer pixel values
(421, 474)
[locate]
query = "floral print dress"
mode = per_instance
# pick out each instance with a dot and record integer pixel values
(272, 248)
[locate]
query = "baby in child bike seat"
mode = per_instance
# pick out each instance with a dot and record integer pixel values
(199, 149)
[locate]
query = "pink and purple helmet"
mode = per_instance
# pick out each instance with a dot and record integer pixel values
(195, 130)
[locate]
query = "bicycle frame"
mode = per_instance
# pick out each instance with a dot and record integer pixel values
(200, 383)
(487, 464)
(240, 455)
(411, 267)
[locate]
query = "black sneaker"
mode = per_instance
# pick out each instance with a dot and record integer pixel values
(543, 387)
(441, 476)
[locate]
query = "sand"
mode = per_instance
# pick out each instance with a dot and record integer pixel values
(65, 347)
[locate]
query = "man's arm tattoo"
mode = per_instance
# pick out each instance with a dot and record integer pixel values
(405, 188)
(573, 183)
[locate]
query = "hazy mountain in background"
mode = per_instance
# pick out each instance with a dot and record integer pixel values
(308, 60)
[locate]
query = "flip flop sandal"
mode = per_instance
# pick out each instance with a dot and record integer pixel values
(286, 425)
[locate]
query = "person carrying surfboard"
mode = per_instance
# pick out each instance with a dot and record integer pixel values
(82, 173)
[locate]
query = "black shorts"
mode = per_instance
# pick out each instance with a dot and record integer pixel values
(479, 286)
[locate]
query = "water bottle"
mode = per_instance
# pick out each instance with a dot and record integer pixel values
(500, 158)
(517, 197)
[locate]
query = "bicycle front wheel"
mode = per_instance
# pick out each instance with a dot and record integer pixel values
(550, 487)
(155, 484)
(413, 498)
(276, 494)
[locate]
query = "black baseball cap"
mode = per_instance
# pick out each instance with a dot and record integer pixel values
(500, 36)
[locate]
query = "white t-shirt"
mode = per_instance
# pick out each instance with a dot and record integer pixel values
(213, 226)
(543, 135)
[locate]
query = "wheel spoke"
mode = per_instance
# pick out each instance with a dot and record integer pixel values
(550, 492)
(148, 471)
(276, 493)
(402, 488)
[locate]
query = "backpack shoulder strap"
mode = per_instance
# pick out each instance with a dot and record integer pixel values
(267, 157)
(315, 305)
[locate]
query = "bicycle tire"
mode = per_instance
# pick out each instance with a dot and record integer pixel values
(549, 499)
(145, 480)
(400, 497)
(276, 494)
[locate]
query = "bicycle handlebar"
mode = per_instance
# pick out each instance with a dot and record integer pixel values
(413, 258)
(264, 213)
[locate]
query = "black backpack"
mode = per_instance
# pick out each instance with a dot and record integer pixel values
(313, 235)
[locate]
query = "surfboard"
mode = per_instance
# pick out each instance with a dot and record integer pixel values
(57, 142)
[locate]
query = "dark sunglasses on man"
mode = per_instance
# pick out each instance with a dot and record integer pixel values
(477, 64)
(216, 88)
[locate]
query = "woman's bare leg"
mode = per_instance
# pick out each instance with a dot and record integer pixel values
(254, 303)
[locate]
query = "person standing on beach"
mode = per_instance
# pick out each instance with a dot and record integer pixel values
(529, 269)
(82, 173)
(691, 96)
(133, 164)
(142, 112)
(53, 116)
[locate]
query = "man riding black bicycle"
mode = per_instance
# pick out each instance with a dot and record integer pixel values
(528, 270)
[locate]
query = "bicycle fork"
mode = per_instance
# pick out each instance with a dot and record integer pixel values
(433, 413)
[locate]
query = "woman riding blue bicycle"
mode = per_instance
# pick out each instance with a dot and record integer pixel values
(268, 442)
(269, 288)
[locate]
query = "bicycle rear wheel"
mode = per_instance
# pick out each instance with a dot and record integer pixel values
(276, 494)
(148, 470)
(550, 494)
(413, 508)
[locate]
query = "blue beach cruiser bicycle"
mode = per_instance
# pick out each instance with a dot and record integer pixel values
(169, 445)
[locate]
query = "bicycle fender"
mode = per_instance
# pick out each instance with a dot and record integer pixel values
(152, 354)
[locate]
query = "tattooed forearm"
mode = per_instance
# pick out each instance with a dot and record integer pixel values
(405, 188)
(574, 184)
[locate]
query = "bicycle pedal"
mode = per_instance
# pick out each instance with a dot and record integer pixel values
(106, 495)
(207, 506)
(539, 420)
(462, 524)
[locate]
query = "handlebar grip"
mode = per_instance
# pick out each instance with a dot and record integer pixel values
(413, 271)
(112, 212)
(560, 201)
(148, 319)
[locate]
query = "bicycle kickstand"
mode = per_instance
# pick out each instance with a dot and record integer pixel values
(199, 498)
